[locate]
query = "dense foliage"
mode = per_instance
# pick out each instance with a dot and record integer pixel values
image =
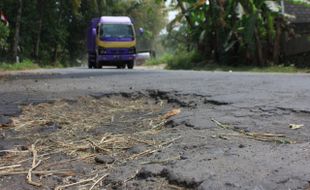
(55, 31)
(230, 31)
(4, 34)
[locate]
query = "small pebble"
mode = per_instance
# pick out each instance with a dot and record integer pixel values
(184, 157)
(104, 159)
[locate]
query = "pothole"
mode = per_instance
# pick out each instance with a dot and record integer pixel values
(88, 116)
(68, 141)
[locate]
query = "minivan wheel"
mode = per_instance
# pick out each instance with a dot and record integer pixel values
(130, 64)
(91, 61)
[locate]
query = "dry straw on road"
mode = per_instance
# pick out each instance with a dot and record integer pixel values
(75, 132)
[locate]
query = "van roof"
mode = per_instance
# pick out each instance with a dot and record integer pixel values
(115, 20)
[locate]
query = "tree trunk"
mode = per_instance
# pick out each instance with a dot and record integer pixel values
(55, 53)
(212, 42)
(276, 47)
(219, 20)
(94, 7)
(15, 48)
(259, 49)
(102, 7)
(40, 8)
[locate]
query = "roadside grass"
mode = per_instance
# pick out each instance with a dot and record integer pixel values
(268, 69)
(164, 59)
(55, 65)
(193, 61)
(26, 65)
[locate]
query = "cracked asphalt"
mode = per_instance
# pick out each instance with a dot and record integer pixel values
(212, 157)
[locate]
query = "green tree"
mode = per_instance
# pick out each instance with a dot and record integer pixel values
(4, 34)
(55, 31)
(150, 16)
(234, 30)
(15, 47)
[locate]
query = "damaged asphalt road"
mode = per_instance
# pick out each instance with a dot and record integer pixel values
(223, 117)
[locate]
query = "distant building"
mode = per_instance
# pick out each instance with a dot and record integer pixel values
(302, 16)
(301, 24)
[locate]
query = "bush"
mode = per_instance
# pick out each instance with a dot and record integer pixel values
(4, 34)
(185, 60)
(164, 59)
(180, 60)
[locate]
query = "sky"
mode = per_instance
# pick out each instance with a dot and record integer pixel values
(171, 14)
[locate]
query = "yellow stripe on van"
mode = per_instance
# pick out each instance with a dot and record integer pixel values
(115, 44)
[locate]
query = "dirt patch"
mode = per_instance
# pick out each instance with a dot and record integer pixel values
(78, 143)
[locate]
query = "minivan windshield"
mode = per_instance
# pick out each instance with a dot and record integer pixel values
(116, 31)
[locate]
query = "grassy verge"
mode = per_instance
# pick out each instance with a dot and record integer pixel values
(24, 65)
(164, 59)
(269, 69)
(193, 61)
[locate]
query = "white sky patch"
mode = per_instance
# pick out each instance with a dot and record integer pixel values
(171, 16)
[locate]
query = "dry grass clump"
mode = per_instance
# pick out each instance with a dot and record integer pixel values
(259, 136)
(81, 129)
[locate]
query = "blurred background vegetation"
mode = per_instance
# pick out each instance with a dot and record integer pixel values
(235, 33)
(200, 34)
(53, 32)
